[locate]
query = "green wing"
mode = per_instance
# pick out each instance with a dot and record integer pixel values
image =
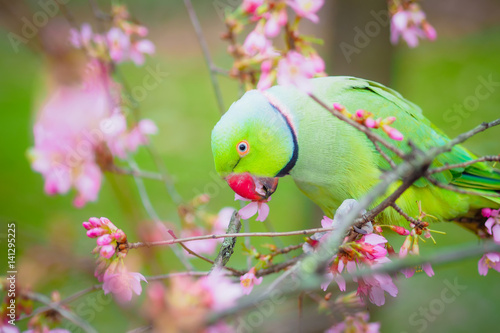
(384, 102)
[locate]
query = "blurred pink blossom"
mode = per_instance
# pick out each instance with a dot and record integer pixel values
(118, 44)
(250, 6)
(410, 24)
(75, 126)
(219, 226)
(267, 75)
(296, 70)
(82, 38)
(275, 20)
(255, 43)
(122, 283)
(306, 8)
(222, 292)
(357, 322)
(139, 48)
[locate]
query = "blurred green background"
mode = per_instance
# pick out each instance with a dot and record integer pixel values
(53, 251)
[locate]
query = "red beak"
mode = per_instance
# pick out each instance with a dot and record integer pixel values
(250, 187)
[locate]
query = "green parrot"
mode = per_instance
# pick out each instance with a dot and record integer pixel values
(282, 131)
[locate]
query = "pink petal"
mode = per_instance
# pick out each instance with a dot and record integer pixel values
(328, 278)
(376, 296)
(428, 269)
(496, 233)
(263, 209)
(145, 46)
(482, 267)
(408, 272)
(249, 210)
(489, 224)
(340, 282)
(239, 197)
(374, 239)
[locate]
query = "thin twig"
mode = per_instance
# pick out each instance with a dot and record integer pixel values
(461, 190)
(287, 249)
(137, 173)
(228, 235)
(210, 261)
(384, 155)
(152, 213)
(489, 158)
(206, 54)
(279, 267)
(369, 133)
(403, 214)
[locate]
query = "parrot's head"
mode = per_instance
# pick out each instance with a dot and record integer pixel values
(253, 144)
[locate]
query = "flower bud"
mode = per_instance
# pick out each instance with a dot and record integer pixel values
(400, 230)
(87, 225)
(486, 212)
(95, 222)
(370, 122)
(120, 236)
(104, 240)
(360, 113)
(96, 232)
(107, 251)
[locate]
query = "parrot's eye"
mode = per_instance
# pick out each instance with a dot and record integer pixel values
(243, 147)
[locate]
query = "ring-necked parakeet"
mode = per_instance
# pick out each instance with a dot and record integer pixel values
(282, 131)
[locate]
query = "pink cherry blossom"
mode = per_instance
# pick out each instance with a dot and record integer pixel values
(261, 208)
(410, 247)
(78, 124)
(118, 44)
(275, 20)
(255, 43)
(267, 75)
(492, 223)
(82, 38)
(410, 24)
(296, 70)
(489, 260)
(306, 8)
(369, 251)
(222, 292)
(66, 136)
(249, 280)
(139, 48)
(317, 62)
(122, 283)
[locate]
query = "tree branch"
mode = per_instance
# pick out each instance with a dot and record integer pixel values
(227, 247)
